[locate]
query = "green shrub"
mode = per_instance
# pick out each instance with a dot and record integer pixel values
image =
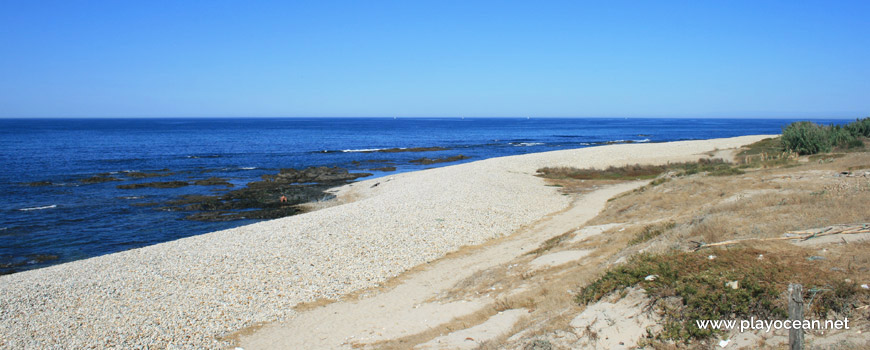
(806, 138)
(810, 138)
(860, 127)
(701, 284)
(841, 137)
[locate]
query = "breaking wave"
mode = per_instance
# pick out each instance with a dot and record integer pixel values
(39, 208)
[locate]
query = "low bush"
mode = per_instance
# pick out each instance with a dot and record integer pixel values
(860, 127)
(806, 138)
(711, 166)
(810, 138)
(702, 282)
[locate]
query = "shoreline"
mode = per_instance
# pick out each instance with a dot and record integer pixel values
(188, 291)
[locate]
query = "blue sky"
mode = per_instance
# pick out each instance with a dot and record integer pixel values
(434, 58)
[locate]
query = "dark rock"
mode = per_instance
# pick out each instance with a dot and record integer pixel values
(164, 184)
(427, 161)
(386, 168)
(312, 175)
(30, 259)
(262, 199)
(99, 179)
(40, 258)
(37, 183)
(141, 175)
(213, 181)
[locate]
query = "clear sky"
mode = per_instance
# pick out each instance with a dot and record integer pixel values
(434, 58)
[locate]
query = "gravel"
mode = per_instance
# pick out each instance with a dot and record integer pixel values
(191, 292)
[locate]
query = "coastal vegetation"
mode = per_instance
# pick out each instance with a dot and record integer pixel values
(746, 280)
(724, 284)
(711, 166)
(650, 239)
(810, 138)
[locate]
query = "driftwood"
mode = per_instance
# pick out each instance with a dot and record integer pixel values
(801, 235)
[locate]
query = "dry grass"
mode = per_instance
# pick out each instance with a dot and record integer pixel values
(712, 166)
(763, 203)
(627, 172)
(548, 295)
(778, 193)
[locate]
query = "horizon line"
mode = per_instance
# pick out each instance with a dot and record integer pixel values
(439, 117)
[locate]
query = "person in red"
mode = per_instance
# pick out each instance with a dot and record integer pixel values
(283, 199)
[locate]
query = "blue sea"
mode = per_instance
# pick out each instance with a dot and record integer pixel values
(70, 220)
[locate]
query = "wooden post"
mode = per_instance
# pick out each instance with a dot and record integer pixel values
(795, 313)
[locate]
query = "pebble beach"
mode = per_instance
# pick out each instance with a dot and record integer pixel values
(193, 292)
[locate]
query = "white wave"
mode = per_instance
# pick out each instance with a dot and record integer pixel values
(39, 208)
(364, 150)
(247, 167)
(527, 144)
(3, 228)
(629, 141)
(132, 197)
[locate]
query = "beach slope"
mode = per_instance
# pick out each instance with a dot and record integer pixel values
(192, 292)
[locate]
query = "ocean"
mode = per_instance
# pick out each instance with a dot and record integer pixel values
(50, 212)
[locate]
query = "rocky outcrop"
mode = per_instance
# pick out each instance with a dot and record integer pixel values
(274, 197)
(141, 175)
(99, 179)
(38, 183)
(213, 181)
(158, 184)
(427, 161)
(310, 175)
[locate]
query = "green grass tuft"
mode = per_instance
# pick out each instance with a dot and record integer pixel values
(652, 231)
(699, 283)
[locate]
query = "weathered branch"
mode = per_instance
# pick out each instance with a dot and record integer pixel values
(800, 235)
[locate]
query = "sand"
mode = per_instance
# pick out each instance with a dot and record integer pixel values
(191, 292)
(409, 308)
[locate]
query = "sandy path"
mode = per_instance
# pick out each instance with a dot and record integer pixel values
(190, 292)
(403, 310)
